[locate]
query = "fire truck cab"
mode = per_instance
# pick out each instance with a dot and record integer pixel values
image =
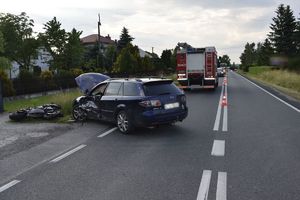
(197, 67)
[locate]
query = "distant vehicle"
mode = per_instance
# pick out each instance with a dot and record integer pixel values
(224, 65)
(221, 71)
(197, 67)
(132, 103)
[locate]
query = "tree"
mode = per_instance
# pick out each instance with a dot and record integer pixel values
(166, 58)
(73, 51)
(127, 61)
(264, 52)
(4, 62)
(110, 57)
(20, 45)
(283, 29)
(125, 39)
(248, 56)
(224, 59)
(146, 64)
(297, 36)
(54, 40)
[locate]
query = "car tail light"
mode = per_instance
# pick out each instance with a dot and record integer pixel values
(150, 103)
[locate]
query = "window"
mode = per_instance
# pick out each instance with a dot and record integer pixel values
(160, 89)
(113, 89)
(99, 90)
(131, 89)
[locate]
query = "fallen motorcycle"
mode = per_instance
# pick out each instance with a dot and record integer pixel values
(46, 111)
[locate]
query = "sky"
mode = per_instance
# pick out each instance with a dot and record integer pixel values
(226, 24)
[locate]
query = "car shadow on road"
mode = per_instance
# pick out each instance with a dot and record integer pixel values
(203, 91)
(162, 131)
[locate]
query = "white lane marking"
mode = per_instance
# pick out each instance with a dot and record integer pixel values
(225, 113)
(8, 185)
(225, 119)
(204, 185)
(221, 193)
(218, 148)
(282, 101)
(218, 116)
(108, 132)
(68, 153)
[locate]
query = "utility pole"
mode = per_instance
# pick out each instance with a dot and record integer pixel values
(99, 42)
(99, 36)
(152, 50)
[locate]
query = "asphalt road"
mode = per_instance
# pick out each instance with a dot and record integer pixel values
(237, 143)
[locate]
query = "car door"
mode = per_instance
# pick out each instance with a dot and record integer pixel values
(96, 96)
(110, 99)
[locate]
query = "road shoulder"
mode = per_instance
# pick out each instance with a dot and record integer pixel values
(273, 90)
(23, 161)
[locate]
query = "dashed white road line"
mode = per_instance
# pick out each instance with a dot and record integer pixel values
(218, 116)
(218, 148)
(282, 101)
(9, 185)
(221, 193)
(204, 185)
(68, 153)
(107, 132)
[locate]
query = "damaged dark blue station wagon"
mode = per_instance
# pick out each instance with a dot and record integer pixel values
(133, 103)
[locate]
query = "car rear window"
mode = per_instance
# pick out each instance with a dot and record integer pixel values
(161, 88)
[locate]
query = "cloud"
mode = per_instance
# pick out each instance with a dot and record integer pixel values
(226, 24)
(219, 4)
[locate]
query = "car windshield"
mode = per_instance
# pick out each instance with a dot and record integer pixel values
(161, 88)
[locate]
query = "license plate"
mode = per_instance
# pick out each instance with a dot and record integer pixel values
(171, 105)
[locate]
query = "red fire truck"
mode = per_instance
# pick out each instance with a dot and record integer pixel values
(197, 67)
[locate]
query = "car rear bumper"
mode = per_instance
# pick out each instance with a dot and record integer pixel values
(156, 117)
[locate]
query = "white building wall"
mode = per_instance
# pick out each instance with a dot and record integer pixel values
(41, 61)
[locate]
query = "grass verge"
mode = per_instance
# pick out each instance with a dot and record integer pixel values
(64, 99)
(284, 81)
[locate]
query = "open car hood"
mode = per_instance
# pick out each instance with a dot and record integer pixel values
(87, 81)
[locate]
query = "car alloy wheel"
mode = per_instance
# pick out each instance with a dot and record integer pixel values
(78, 113)
(123, 122)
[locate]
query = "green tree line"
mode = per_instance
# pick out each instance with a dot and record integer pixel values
(282, 45)
(69, 58)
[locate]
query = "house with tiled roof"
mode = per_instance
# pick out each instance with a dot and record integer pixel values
(92, 40)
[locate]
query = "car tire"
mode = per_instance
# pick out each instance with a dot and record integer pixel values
(124, 122)
(18, 116)
(77, 113)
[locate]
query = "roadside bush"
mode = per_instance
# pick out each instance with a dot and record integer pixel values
(294, 63)
(46, 75)
(47, 78)
(76, 72)
(8, 89)
(64, 79)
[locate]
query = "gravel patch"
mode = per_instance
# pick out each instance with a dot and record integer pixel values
(19, 136)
